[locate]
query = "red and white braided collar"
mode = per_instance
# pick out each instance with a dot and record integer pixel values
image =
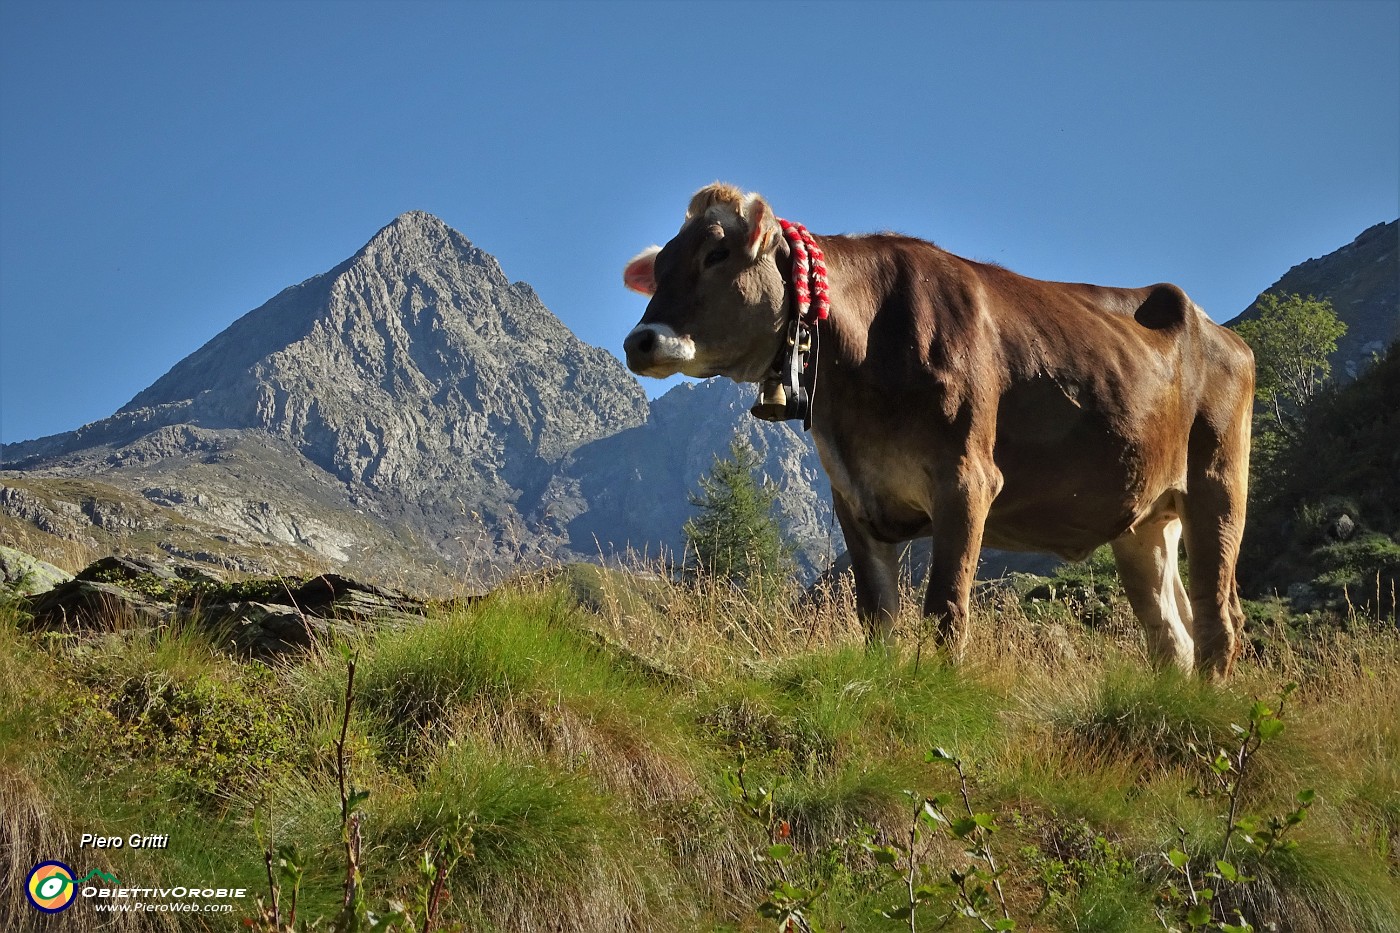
(808, 274)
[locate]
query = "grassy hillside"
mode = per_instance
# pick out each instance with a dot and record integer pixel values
(602, 752)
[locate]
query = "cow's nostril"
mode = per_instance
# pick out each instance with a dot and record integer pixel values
(641, 341)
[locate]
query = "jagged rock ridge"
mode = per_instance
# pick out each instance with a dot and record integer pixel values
(413, 384)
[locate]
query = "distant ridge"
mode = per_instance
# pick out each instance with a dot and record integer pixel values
(412, 384)
(1362, 280)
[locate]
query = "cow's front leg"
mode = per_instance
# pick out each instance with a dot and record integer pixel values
(875, 565)
(960, 513)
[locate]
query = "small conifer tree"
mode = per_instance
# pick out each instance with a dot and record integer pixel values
(735, 536)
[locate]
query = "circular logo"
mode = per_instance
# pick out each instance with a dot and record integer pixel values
(50, 887)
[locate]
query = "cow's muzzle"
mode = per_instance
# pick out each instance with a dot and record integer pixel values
(656, 350)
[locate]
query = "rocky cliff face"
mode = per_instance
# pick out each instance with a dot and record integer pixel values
(410, 415)
(413, 385)
(638, 482)
(420, 317)
(1362, 279)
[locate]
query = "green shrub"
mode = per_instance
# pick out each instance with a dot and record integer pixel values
(512, 646)
(1098, 569)
(822, 712)
(1364, 572)
(819, 810)
(165, 704)
(548, 851)
(753, 720)
(1318, 887)
(869, 701)
(1111, 904)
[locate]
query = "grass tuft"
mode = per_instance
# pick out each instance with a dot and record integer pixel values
(549, 852)
(1153, 721)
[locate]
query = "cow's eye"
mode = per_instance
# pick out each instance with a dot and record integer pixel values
(716, 256)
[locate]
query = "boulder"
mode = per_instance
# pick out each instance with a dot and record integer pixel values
(1303, 597)
(270, 621)
(114, 569)
(1341, 528)
(267, 631)
(27, 575)
(84, 605)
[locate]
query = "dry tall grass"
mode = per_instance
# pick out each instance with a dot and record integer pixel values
(576, 727)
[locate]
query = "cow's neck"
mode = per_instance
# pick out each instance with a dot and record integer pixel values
(862, 279)
(857, 293)
(864, 282)
(784, 390)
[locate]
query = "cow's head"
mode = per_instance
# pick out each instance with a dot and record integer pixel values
(718, 297)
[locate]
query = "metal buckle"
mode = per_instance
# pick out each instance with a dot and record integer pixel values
(782, 397)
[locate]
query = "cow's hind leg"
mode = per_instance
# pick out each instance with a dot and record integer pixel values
(875, 565)
(1213, 511)
(1147, 566)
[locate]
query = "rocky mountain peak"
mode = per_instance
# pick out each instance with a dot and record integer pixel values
(410, 223)
(413, 383)
(416, 240)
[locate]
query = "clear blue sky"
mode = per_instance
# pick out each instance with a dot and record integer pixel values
(167, 167)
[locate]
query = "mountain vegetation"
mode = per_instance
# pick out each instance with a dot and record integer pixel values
(1323, 530)
(1324, 524)
(1293, 339)
(733, 536)
(598, 750)
(1362, 282)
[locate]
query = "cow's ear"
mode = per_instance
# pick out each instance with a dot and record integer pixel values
(762, 226)
(640, 274)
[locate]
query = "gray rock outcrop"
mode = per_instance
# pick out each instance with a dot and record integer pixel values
(26, 575)
(408, 407)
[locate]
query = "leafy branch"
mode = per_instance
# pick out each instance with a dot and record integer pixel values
(1229, 772)
(973, 892)
(789, 903)
(285, 868)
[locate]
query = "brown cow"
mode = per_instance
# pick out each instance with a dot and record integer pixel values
(957, 399)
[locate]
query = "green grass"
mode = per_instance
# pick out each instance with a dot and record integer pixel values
(573, 739)
(1111, 905)
(546, 843)
(1320, 886)
(1162, 723)
(504, 650)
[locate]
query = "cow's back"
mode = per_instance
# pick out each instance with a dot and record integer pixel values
(1093, 390)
